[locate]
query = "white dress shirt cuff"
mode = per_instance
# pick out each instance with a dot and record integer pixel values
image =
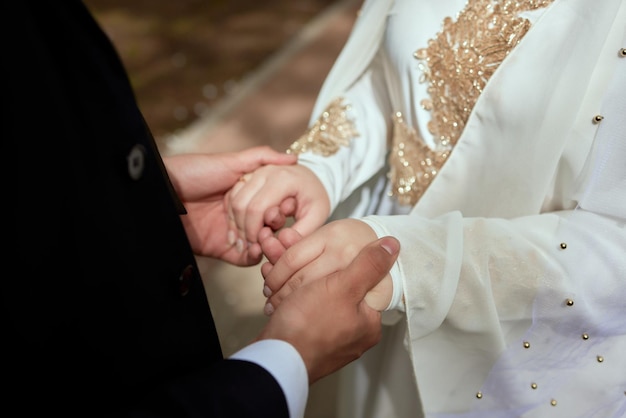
(396, 302)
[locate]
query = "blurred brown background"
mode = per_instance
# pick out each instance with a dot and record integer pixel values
(225, 75)
(186, 56)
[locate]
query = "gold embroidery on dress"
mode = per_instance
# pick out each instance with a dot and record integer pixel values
(456, 64)
(331, 130)
(414, 163)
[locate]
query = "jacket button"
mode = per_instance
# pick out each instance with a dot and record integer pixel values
(622, 53)
(185, 280)
(597, 119)
(136, 161)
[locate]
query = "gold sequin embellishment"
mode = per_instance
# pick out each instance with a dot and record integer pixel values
(330, 131)
(457, 64)
(413, 164)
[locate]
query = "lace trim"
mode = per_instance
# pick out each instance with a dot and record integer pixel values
(331, 130)
(456, 64)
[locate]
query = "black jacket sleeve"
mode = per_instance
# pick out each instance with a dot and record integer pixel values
(237, 389)
(106, 315)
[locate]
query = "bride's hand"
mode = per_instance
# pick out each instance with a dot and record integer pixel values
(329, 249)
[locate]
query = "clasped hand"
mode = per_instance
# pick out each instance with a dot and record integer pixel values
(202, 182)
(295, 261)
(271, 194)
(236, 202)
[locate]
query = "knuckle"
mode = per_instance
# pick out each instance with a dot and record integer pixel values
(290, 260)
(237, 205)
(294, 283)
(276, 284)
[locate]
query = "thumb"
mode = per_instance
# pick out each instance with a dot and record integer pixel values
(370, 266)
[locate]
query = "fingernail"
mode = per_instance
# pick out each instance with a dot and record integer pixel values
(387, 248)
(267, 292)
(239, 245)
(268, 309)
(231, 237)
(390, 246)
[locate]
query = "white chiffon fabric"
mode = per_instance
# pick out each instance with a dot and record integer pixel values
(528, 213)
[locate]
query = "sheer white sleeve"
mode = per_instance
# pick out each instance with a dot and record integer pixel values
(347, 145)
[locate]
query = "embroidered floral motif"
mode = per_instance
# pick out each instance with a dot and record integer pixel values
(456, 64)
(414, 164)
(331, 130)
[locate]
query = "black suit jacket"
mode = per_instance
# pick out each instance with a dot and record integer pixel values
(106, 314)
